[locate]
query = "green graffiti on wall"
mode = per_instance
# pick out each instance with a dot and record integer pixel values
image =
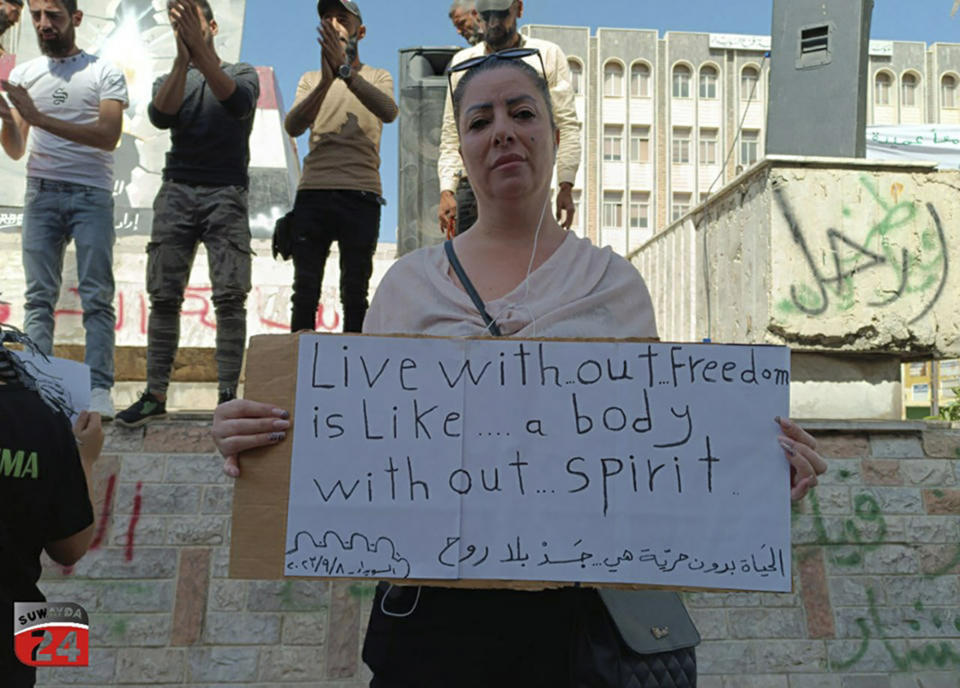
(927, 655)
(866, 535)
(901, 255)
(865, 532)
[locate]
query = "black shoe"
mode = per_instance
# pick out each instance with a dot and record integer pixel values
(225, 396)
(147, 408)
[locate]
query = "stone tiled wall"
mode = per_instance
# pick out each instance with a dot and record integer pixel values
(876, 601)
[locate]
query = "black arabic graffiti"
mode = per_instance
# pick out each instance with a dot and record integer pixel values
(914, 272)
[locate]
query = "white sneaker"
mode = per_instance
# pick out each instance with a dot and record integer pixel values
(102, 403)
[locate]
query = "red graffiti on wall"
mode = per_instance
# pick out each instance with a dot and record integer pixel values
(132, 528)
(105, 515)
(106, 512)
(79, 313)
(133, 310)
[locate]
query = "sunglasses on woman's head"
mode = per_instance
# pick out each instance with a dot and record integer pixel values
(508, 54)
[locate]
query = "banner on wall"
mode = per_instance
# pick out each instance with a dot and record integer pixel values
(939, 143)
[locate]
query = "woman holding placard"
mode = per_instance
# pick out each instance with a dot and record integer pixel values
(516, 273)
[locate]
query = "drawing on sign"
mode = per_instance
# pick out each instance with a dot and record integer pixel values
(354, 556)
(64, 385)
(50, 387)
(581, 461)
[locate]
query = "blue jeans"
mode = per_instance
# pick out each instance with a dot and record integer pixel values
(53, 213)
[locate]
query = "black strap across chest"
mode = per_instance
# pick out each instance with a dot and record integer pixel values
(492, 326)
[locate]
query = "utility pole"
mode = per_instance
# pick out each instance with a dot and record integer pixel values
(934, 387)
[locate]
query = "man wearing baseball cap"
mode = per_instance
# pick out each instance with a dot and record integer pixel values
(457, 203)
(10, 11)
(345, 105)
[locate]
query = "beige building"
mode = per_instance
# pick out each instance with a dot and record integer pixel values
(667, 121)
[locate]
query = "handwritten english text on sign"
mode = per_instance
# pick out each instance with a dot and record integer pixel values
(556, 461)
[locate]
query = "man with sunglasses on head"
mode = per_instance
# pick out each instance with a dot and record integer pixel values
(458, 206)
(345, 105)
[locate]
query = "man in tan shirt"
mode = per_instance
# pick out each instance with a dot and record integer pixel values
(345, 105)
(457, 203)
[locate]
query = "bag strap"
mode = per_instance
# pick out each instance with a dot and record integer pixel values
(492, 326)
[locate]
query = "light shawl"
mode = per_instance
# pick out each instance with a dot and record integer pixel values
(580, 291)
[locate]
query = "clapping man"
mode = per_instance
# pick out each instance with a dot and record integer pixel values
(208, 106)
(345, 105)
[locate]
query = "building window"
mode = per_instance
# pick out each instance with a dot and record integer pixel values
(908, 90)
(639, 210)
(708, 83)
(613, 143)
(681, 82)
(576, 77)
(681, 206)
(918, 369)
(921, 393)
(613, 209)
(708, 146)
(681, 146)
(640, 81)
(640, 144)
(948, 91)
(613, 80)
(749, 148)
(881, 91)
(750, 84)
(949, 369)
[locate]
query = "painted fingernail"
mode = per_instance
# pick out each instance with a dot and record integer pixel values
(233, 472)
(787, 447)
(281, 424)
(277, 436)
(280, 413)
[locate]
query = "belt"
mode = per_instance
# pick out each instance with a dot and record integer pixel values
(201, 185)
(55, 184)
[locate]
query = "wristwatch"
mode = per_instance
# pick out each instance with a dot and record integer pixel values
(345, 72)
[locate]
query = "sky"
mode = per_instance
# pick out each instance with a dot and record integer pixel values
(282, 34)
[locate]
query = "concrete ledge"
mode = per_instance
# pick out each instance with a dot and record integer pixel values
(876, 427)
(192, 364)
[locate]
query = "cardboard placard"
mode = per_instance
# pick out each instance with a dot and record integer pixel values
(498, 462)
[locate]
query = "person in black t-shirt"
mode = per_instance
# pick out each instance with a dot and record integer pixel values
(45, 499)
(209, 107)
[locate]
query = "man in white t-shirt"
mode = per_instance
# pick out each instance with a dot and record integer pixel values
(71, 105)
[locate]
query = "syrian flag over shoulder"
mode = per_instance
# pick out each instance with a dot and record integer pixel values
(939, 143)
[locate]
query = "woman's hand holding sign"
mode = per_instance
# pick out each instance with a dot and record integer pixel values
(241, 425)
(805, 463)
